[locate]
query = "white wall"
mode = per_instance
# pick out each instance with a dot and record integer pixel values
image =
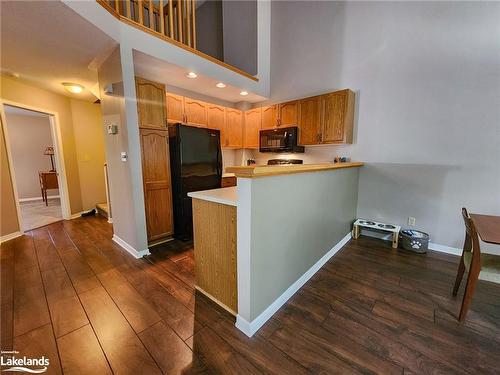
(427, 82)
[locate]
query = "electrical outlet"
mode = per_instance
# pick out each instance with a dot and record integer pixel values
(411, 220)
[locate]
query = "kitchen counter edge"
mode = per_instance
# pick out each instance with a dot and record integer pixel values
(274, 170)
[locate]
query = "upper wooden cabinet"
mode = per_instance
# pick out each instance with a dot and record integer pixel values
(175, 108)
(253, 119)
(216, 119)
(288, 113)
(327, 118)
(337, 117)
(195, 112)
(186, 110)
(150, 104)
(269, 117)
(234, 128)
(310, 120)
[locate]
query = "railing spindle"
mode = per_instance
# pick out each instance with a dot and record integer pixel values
(127, 3)
(170, 19)
(193, 17)
(151, 16)
(179, 21)
(117, 6)
(162, 19)
(141, 12)
(187, 7)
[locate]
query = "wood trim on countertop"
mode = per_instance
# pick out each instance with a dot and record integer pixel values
(274, 170)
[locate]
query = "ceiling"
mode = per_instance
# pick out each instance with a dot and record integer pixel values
(11, 110)
(161, 71)
(47, 43)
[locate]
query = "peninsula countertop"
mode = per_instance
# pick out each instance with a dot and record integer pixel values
(223, 196)
(272, 170)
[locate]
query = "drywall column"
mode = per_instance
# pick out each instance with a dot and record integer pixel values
(288, 226)
(119, 108)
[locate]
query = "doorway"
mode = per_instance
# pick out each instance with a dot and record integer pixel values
(35, 163)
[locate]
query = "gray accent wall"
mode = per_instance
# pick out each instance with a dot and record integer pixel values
(427, 83)
(295, 220)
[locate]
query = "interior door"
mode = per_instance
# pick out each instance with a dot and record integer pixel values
(157, 184)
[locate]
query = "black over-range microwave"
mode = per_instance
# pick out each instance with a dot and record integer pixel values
(280, 140)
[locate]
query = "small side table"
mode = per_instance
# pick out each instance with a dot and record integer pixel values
(377, 226)
(48, 180)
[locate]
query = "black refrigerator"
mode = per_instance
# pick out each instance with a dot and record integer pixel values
(196, 164)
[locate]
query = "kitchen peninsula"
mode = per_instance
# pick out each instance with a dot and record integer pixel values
(256, 244)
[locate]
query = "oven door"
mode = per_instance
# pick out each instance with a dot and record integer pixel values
(276, 140)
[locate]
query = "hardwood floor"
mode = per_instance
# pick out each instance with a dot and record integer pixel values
(71, 294)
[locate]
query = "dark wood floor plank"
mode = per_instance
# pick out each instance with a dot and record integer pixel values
(37, 343)
(122, 347)
(7, 294)
(169, 351)
(81, 354)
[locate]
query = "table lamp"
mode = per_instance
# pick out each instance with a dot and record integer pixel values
(50, 151)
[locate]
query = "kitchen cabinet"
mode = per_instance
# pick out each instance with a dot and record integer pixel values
(175, 108)
(253, 119)
(150, 104)
(157, 184)
(310, 121)
(269, 117)
(216, 119)
(234, 128)
(288, 114)
(155, 159)
(337, 117)
(195, 112)
(228, 181)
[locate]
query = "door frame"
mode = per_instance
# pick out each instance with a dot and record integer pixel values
(55, 129)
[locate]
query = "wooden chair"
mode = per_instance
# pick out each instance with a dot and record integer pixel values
(479, 266)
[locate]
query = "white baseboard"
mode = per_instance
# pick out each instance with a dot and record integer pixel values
(37, 198)
(445, 249)
(127, 247)
(110, 220)
(249, 328)
(10, 236)
(77, 215)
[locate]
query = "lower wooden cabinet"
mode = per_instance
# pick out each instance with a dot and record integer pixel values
(157, 183)
(228, 181)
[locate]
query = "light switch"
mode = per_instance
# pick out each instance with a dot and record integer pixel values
(123, 156)
(112, 129)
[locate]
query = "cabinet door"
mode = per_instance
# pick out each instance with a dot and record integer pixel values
(216, 116)
(333, 108)
(309, 121)
(157, 185)
(234, 128)
(150, 104)
(269, 117)
(288, 114)
(175, 108)
(196, 112)
(253, 120)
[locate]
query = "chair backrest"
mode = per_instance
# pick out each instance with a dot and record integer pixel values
(471, 238)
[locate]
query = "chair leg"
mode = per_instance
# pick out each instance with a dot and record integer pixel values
(460, 275)
(469, 291)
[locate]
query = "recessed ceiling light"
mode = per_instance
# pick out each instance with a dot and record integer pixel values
(74, 88)
(244, 93)
(191, 75)
(220, 85)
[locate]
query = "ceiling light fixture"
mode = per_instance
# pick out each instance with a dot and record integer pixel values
(74, 88)
(191, 75)
(244, 93)
(220, 85)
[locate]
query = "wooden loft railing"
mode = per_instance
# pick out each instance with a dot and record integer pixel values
(171, 20)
